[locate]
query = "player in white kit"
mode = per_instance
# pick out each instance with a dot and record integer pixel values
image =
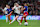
(17, 8)
(5, 12)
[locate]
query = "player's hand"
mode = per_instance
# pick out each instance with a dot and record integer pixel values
(13, 8)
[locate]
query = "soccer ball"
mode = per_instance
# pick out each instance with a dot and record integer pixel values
(26, 23)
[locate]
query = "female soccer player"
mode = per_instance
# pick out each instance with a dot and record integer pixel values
(9, 12)
(25, 13)
(5, 12)
(16, 9)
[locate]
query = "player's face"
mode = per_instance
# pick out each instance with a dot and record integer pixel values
(17, 5)
(25, 4)
(7, 6)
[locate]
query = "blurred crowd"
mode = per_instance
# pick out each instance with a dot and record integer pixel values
(33, 5)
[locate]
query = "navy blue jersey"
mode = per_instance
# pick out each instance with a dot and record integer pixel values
(26, 8)
(9, 10)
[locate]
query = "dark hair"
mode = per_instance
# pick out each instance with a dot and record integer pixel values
(8, 4)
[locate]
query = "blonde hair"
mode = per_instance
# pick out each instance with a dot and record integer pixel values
(15, 4)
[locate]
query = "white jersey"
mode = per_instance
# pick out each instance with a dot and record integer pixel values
(17, 9)
(5, 10)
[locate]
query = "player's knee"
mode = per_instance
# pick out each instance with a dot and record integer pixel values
(17, 16)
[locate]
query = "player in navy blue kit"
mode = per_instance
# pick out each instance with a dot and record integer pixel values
(25, 13)
(9, 10)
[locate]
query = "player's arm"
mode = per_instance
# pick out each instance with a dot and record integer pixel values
(13, 8)
(7, 12)
(4, 10)
(23, 8)
(11, 11)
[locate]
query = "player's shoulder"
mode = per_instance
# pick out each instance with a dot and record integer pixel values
(5, 8)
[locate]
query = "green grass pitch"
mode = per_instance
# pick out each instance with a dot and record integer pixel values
(32, 23)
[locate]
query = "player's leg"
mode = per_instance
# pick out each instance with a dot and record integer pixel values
(25, 15)
(15, 19)
(6, 18)
(9, 18)
(18, 21)
(25, 19)
(22, 17)
(21, 20)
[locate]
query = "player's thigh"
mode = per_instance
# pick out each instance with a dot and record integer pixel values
(9, 16)
(17, 16)
(25, 14)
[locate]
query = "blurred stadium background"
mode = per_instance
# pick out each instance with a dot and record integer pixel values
(33, 10)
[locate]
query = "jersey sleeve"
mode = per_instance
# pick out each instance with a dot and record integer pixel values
(4, 9)
(11, 10)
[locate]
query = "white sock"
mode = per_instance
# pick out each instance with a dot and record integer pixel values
(13, 20)
(6, 19)
(18, 21)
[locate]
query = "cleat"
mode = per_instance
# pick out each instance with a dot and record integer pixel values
(19, 23)
(10, 23)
